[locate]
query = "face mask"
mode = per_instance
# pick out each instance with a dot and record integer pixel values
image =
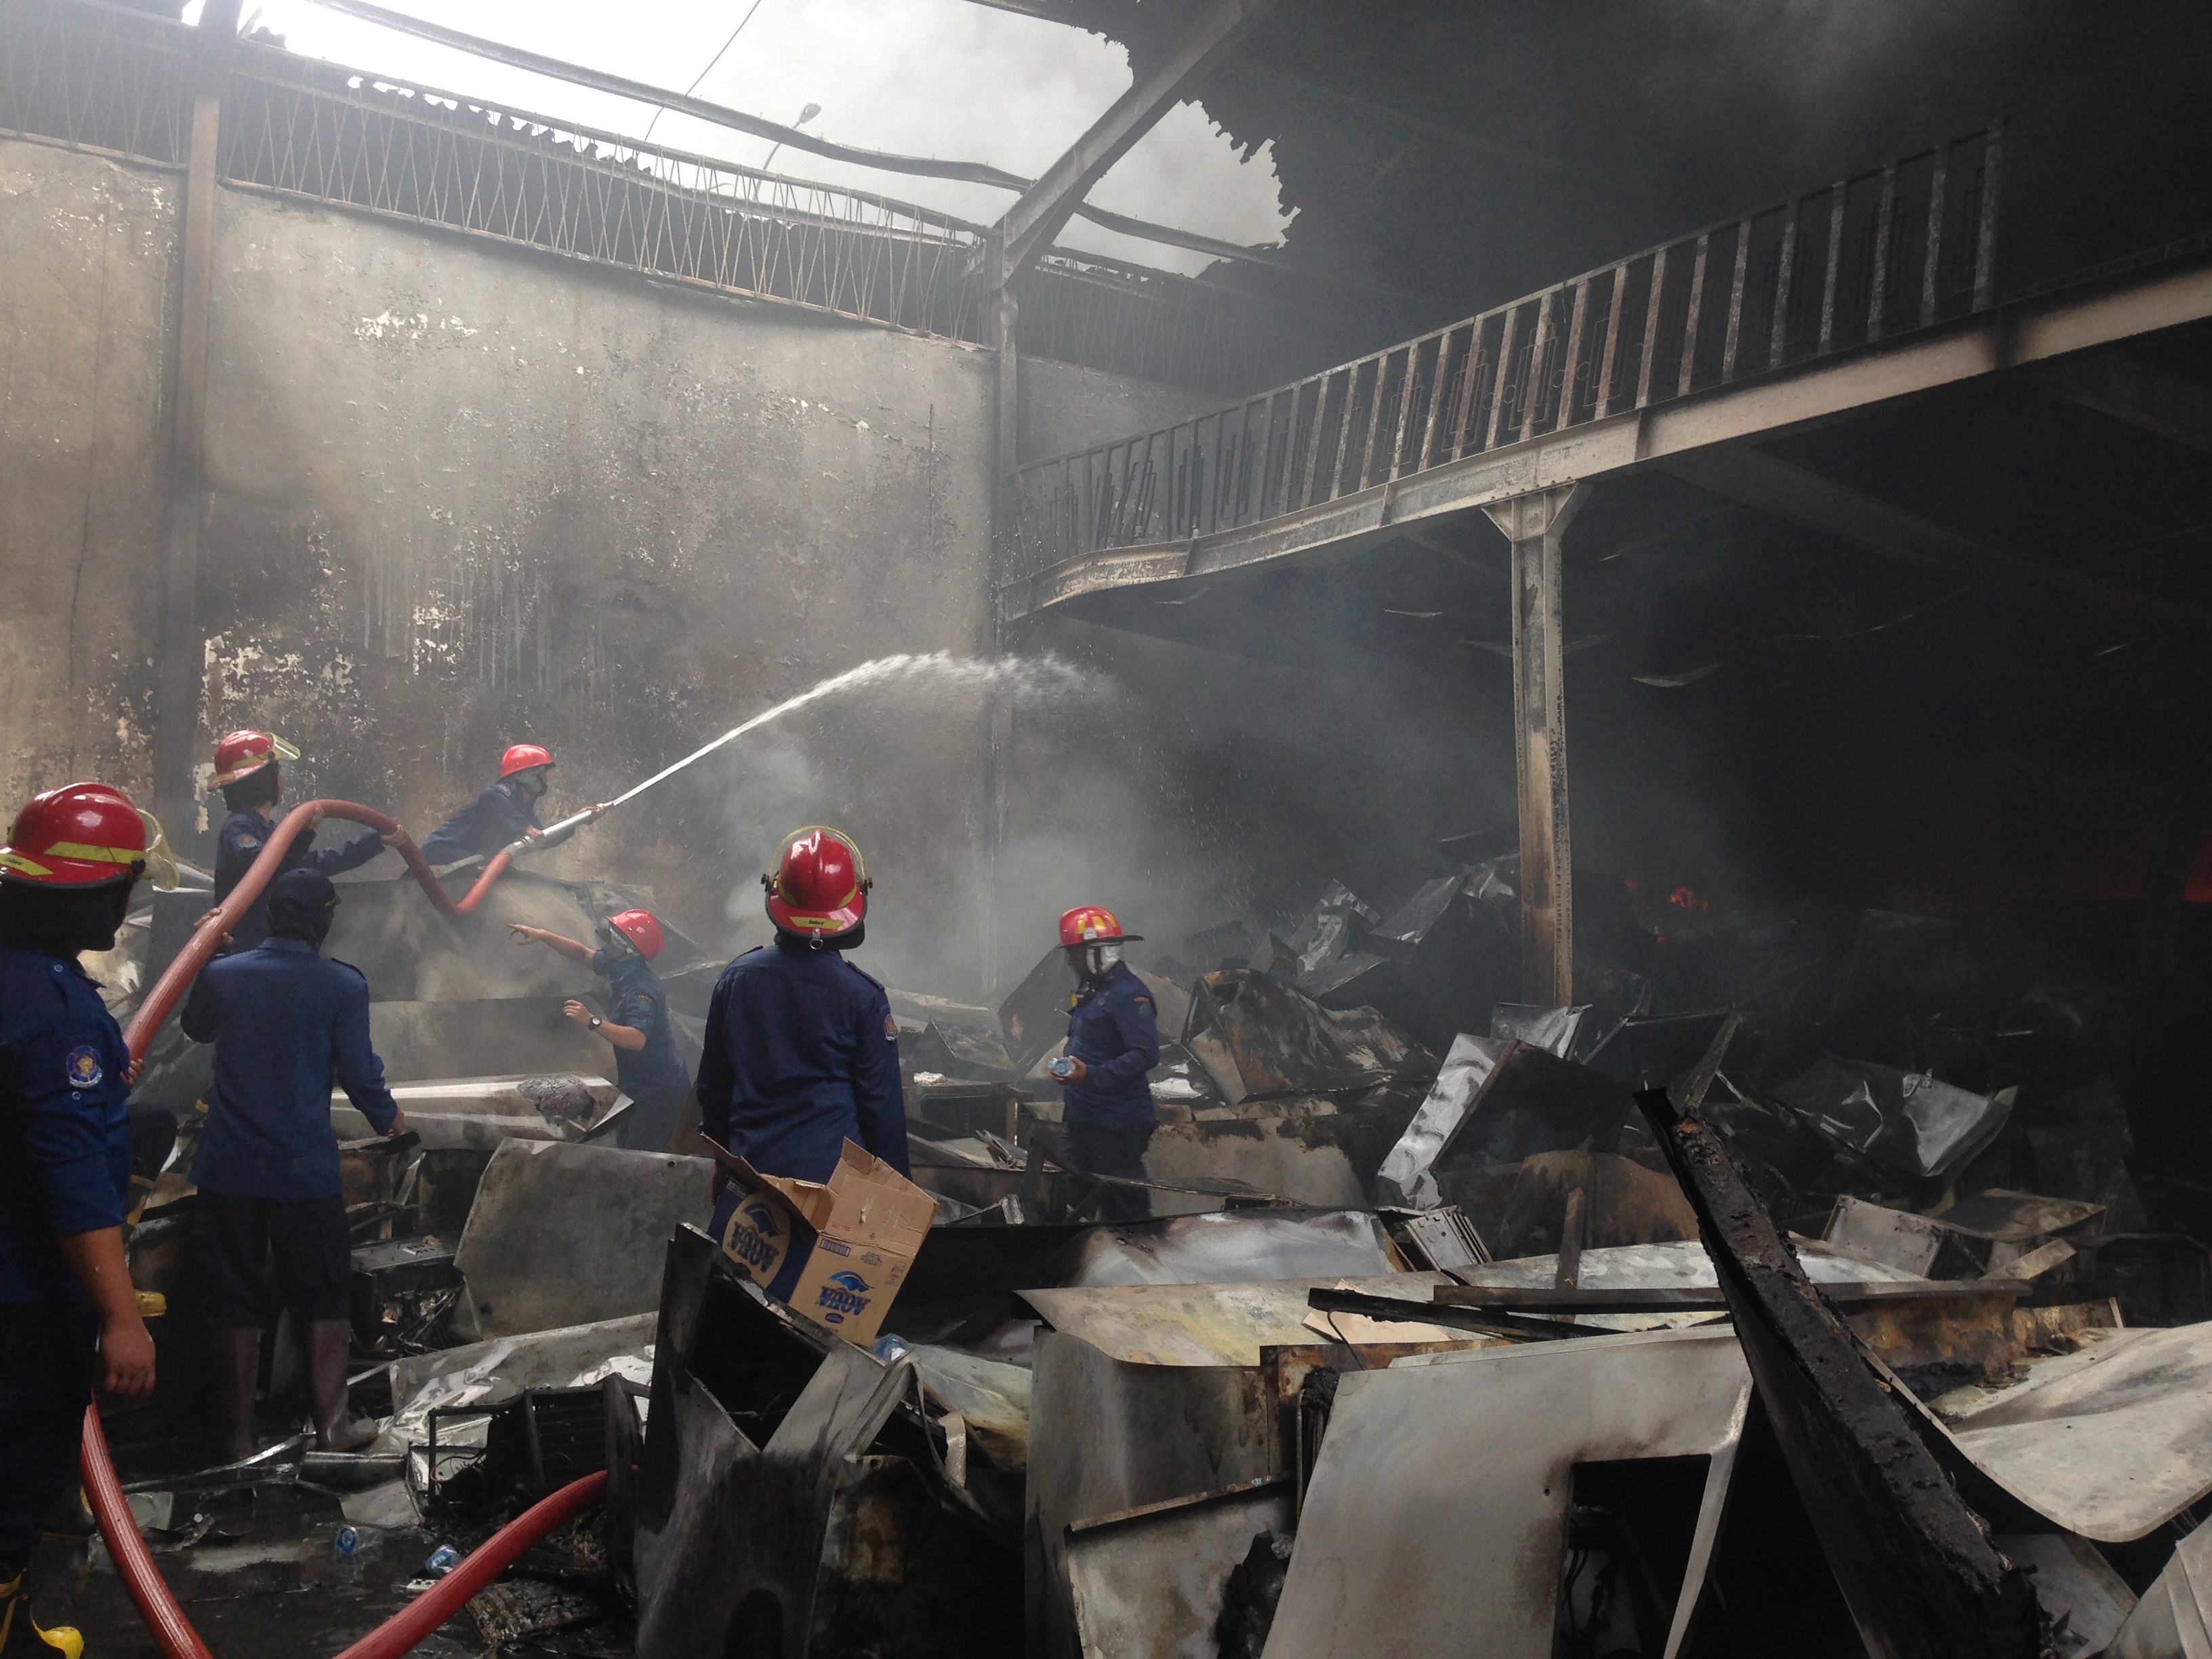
(1099, 959)
(612, 939)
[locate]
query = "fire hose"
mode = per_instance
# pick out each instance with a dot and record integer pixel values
(207, 935)
(171, 1631)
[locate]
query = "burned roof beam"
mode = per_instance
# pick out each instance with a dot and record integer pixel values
(2146, 396)
(972, 173)
(1097, 16)
(921, 166)
(1750, 475)
(1030, 224)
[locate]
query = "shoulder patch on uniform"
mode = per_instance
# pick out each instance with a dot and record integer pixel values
(1143, 1003)
(83, 1068)
(248, 843)
(891, 1028)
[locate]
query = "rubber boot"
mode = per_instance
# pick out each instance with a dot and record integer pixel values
(19, 1635)
(237, 1357)
(330, 1344)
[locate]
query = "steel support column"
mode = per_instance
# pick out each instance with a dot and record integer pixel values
(179, 674)
(1536, 524)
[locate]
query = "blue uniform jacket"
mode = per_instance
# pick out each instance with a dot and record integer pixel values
(493, 820)
(64, 1134)
(286, 1024)
(634, 999)
(1113, 1029)
(801, 1056)
(243, 836)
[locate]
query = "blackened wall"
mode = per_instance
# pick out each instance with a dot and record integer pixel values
(463, 497)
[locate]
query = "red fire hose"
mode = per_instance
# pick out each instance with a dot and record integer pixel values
(300, 820)
(174, 1633)
(436, 1605)
(157, 1604)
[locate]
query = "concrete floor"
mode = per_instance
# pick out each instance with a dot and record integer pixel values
(265, 1578)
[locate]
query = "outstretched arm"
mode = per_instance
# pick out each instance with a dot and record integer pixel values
(518, 934)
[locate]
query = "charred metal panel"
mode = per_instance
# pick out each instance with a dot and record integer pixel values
(1108, 1435)
(792, 1499)
(564, 1235)
(1911, 1559)
(1437, 1519)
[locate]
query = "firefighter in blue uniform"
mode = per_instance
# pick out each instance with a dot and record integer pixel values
(68, 1316)
(649, 1066)
(1113, 1043)
(801, 1052)
(287, 1025)
(506, 812)
(248, 770)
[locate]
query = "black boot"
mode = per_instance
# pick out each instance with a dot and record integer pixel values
(19, 1635)
(237, 1358)
(330, 1345)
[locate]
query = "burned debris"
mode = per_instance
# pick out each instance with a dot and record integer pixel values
(1751, 1339)
(1765, 1210)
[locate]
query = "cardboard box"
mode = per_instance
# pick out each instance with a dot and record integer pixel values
(834, 1252)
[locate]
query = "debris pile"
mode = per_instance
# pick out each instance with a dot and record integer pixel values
(1813, 1317)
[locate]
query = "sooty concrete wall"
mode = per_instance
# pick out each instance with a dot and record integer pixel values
(87, 253)
(463, 497)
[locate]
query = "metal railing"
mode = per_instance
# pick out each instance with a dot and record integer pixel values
(113, 81)
(300, 129)
(99, 78)
(1901, 247)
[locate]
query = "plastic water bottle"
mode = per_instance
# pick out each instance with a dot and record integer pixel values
(348, 1540)
(1062, 1069)
(888, 1348)
(443, 1560)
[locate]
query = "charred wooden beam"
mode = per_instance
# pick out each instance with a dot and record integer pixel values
(1032, 222)
(1757, 479)
(182, 647)
(1483, 1320)
(1536, 526)
(1914, 1563)
(1689, 1298)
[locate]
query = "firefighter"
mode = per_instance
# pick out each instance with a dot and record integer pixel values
(1113, 1042)
(506, 812)
(801, 1053)
(648, 1066)
(68, 1316)
(287, 1025)
(248, 771)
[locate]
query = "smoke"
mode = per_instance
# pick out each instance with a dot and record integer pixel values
(887, 752)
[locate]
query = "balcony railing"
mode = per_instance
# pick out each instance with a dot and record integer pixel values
(1901, 247)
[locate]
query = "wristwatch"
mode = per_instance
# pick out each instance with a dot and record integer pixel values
(597, 1022)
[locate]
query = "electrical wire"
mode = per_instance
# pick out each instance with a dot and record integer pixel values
(709, 70)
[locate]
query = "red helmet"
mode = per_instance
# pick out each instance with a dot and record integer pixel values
(242, 754)
(524, 758)
(819, 885)
(641, 929)
(83, 835)
(1093, 924)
